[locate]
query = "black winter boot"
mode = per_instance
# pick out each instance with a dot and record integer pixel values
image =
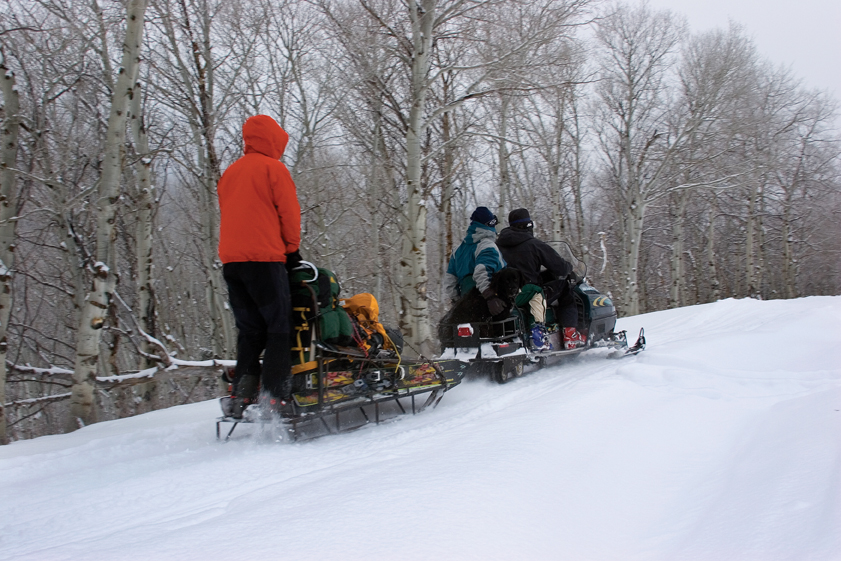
(245, 394)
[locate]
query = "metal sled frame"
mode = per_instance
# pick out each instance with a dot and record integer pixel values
(332, 412)
(322, 412)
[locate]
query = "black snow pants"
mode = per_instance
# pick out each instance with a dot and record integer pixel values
(259, 296)
(560, 296)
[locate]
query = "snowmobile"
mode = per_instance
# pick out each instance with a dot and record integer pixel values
(347, 370)
(504, 349)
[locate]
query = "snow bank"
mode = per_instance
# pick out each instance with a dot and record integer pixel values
(721, 441)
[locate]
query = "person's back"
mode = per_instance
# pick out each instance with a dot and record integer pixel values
(530, 255)
(261, 217)
(523, 251)
(260, 232)
(476, 260)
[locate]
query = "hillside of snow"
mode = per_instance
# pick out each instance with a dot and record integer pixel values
(721, 441)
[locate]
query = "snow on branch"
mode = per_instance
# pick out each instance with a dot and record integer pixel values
(38, 400)
(134, 377)
(51, 371)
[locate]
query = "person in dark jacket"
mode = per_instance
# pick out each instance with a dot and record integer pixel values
(530, 255)
(260, 232)
(475, 261)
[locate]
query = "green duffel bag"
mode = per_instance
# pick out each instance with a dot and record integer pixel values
(334, 324)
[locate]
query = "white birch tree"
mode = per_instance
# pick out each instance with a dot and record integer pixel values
(145, 202)
(98, 299)
(8, 210)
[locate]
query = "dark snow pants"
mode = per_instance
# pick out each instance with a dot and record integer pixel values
(560, 296)
(259, 296)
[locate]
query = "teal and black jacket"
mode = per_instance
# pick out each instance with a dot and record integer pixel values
(474, 262)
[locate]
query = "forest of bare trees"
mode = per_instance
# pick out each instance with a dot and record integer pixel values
(682, 167)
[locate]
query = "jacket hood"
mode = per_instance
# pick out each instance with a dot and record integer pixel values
(262, 134)
(478, 231)
(511, 237)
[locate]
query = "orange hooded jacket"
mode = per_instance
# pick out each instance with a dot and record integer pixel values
(261, 216)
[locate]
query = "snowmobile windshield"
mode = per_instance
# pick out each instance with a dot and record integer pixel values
(565, 251)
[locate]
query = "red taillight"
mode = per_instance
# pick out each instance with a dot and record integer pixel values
(465, 330)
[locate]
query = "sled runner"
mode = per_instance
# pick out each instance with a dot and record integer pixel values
(346, 400)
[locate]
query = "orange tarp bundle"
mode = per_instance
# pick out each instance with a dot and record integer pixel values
(365, 309)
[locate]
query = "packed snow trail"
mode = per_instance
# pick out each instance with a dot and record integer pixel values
(721, 441)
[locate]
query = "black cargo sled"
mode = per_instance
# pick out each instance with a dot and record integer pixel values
(503, 349)
(348, 369)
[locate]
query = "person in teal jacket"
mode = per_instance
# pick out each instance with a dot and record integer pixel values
(475, 261)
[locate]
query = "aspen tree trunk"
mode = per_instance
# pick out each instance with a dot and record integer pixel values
(634, 213)
(789, 261)
(82, 407)
(712, 270)
(413, 262)
(374, 190)
(8, 208)
(145, 214)
(215, 290)
(502, 154)
(556, 202)
(221, 328)
(380, 186)
(762, 245)
(750, 244)
(554, 166)
(395, 267)
(678, 269)
(633, 238)
(634, 217)
(576, 186)
(555, 188)
(447, 194)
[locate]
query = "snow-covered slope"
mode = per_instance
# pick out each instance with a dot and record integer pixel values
(721, 441)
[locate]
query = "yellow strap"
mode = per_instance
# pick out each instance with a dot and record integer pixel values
(298, 368)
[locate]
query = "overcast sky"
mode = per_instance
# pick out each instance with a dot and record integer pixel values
(802, 34)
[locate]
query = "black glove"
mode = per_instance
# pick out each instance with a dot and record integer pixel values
(495, 304)
(293, 260)
(574, 279)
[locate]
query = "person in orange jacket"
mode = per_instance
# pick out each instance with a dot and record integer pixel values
(259, 236)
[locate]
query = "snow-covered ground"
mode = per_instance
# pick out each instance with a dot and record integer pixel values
(721, 441)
